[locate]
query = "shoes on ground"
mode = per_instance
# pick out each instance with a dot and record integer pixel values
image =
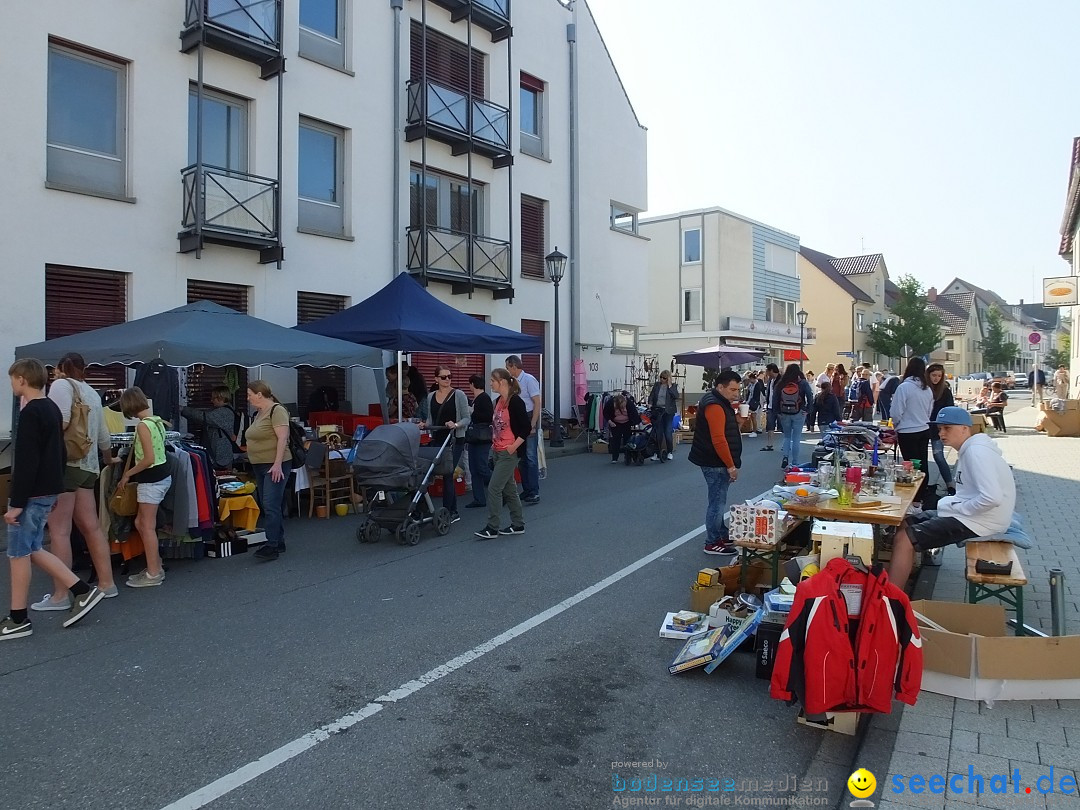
(11, 629)
(614, 461)
(670, 456)
(47, 603)
(143, 579)
(763, 449)
(265, 552)
(783, 462)
(720, 548)
(531, 499)
(654, 457)
(512, 530)
(475, 505)
(111, 592)
(751, 435)
(81, 605)
(454, 517)
(486, 534)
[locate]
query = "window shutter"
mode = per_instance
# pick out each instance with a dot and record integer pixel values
(462, 366)
(79, 300)
(312, 307)
(532, 362)
(447, 61)
(202, 379)
(530, 82)
(533, 236)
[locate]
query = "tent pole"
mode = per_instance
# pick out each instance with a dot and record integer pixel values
(399, 385)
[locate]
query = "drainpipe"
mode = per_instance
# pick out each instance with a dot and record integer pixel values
(852, 358)
(575, 200)
(395, 180)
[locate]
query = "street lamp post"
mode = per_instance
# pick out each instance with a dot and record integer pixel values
(556, 267)
(801, 315)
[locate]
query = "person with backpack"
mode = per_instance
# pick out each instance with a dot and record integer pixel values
(911, 408)
(222, 424)
(825, 407)
(862, 408)
(85, 436)
(885, 394)
(790, 402)
(268, 439)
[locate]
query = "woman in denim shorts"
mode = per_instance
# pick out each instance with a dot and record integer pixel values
(151, 472)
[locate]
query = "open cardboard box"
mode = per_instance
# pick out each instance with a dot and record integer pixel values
(976, 657)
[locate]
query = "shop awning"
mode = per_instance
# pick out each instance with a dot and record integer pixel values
(792, 355)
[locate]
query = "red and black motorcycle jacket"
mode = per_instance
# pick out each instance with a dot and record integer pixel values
(833, 663)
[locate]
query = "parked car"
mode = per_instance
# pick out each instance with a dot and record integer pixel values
(1019, 379)
(1004, 378)
(982, 376)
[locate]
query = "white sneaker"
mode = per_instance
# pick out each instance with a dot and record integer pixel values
(670, 456)
(47, 603)
(655, 457)
(751, 435)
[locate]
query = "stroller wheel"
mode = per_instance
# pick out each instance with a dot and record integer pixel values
(441, 520)
(410, 532)
(368, 532)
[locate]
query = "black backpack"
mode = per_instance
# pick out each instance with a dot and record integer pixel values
(790, 399)
(297, 437)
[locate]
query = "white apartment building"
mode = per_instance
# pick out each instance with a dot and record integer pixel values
(719, 277)
(289, 157)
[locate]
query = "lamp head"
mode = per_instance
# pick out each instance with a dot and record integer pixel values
(802, 315)
(556, 265)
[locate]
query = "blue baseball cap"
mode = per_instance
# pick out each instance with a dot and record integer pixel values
(952, 416)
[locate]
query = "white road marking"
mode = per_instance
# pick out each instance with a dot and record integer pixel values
(246, 773)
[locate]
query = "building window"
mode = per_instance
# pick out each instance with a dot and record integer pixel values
(225, 133)
(321, 178)
(779, 311)
(445, 203)
(691, 306)
(78, 300)
(531, 103)
(779, 259)
(623, 219)
(859, 321)
(624, 339)
(691, 246)
(201, 380)
(312, 306)
(948, 345)
(533, 236)
(532, 362)
(322, 31)
(86, 135)
(449, 62)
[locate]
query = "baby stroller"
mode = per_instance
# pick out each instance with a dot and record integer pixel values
(640, 445)
(391, 459)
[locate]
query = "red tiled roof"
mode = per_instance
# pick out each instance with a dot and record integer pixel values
(856, 265)
(826, 264)
(1072, 202)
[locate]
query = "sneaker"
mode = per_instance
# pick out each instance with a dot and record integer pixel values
(486, 534)
(751, 435)
(47, 603)
(454, 517)
(81, 605)
(111, 592)
(474, 505)
(763, 449)
(614, 461)
(512, 530)
(9, 628)
(670, 456)
(655, 457)
(144, 580)
(783, 462)
(265, 553)
(719, 548)
(531, 499)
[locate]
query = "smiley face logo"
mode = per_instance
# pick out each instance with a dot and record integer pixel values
(861, 783)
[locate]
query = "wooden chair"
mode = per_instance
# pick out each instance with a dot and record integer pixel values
(331, 479)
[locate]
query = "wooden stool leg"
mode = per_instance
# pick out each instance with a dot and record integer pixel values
(971, 593)
(744, 560)
(775, 556)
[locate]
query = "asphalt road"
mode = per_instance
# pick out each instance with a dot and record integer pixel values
(164, 691)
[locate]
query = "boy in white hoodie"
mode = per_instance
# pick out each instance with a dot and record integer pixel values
(982, 506)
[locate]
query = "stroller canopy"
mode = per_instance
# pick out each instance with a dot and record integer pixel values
(389, 456)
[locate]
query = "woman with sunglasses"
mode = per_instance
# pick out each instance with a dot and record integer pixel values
(448, 410)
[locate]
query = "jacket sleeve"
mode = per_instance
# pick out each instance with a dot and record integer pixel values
(654, 394)
(461, 407)
(788, 679)
(910, 667)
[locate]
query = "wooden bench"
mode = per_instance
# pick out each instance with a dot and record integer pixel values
(1008, 588)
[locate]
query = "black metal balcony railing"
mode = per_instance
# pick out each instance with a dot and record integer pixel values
(455, 256)
(229, 207)
(458, 119)
(492, 15)
(248, 29)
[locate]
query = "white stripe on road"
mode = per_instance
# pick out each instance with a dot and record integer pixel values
(241, 776)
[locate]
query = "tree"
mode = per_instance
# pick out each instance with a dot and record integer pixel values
(1061, 355)
(913, 324)
(997, 351)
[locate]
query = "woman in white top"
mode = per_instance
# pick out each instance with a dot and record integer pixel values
(80, 480)
(911, 407)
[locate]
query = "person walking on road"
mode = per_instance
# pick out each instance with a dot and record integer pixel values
(772, 374)
(621, 415)
(943, 398)
(448, 412)
(825, 407)
(912, 405)
(791, 399)
(663, 404)
(717, 450)
(530, 462)
(268, 451)
(510, 429)
(479, 451)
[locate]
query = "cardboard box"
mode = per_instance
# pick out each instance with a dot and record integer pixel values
(702, 596)
(978, 423)
(708, 576)
(835, 539)
(1062, 423)
(768, 637)
(219, 548)
(975, 656)
(840, 722)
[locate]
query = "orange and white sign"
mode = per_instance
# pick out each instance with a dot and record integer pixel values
(1059, 292)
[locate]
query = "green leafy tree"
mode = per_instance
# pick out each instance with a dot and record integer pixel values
(1061, 355)
(998, 352)
(913, 325)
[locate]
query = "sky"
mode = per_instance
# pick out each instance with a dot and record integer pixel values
(935, 132)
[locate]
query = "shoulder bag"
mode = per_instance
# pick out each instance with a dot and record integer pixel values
(125, 502)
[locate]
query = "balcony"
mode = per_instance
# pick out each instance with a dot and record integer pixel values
(463, 260)
(491, 15)
(226, 207)
(246, 29)
(458, 119)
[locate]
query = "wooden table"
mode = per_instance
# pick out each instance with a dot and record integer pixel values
(885, 515)
(766, 552)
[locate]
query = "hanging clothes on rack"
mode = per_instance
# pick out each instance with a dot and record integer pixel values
(161, 384)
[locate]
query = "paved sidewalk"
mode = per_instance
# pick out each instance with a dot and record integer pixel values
(945, 736)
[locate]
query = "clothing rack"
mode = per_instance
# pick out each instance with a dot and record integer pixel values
(129, 438)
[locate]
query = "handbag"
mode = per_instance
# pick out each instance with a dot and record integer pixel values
(478, 434)
(125, 502)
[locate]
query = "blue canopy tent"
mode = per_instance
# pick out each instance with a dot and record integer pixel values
(404, 317)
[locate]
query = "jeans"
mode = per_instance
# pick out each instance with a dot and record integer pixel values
(665, 433)
(449, 491)
(480, 471)
(502, 489)
(884, 407)
(791, 426)
(270, 496)
(25, 536)
(717, 481)
(530, 468)
(938, 446)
